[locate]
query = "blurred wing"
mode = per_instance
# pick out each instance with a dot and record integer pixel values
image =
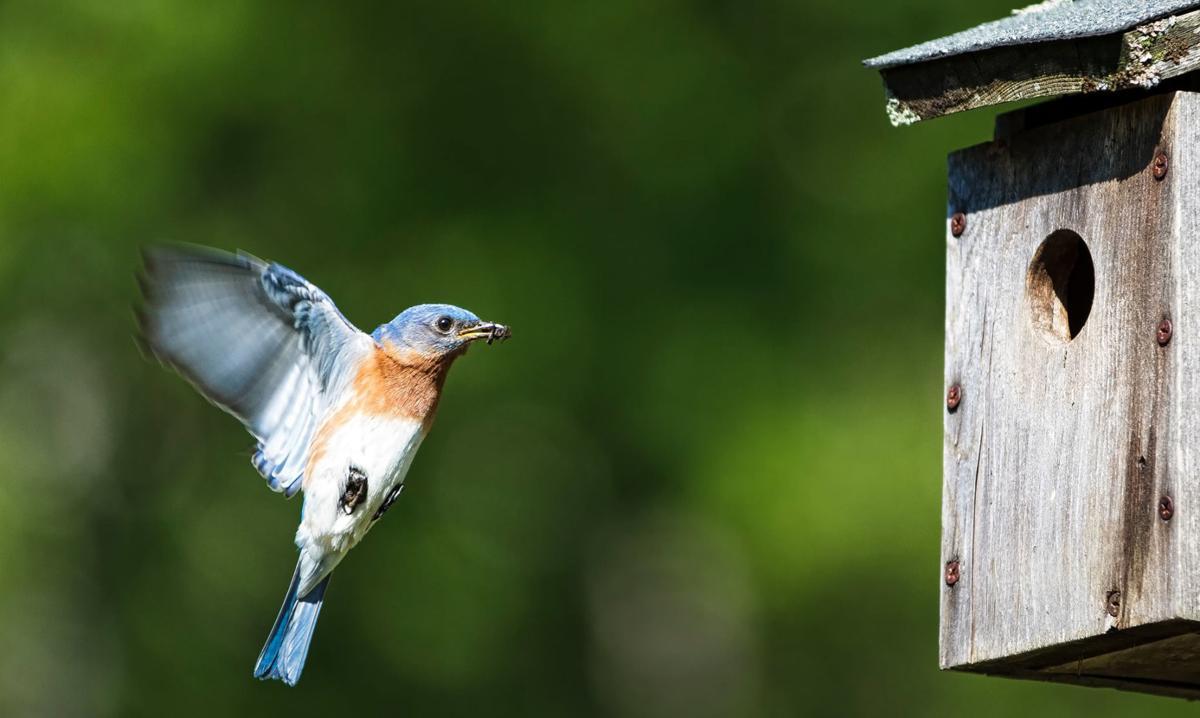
(255, 339)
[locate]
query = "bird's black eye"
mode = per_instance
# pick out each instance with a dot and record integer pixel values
(443, 324)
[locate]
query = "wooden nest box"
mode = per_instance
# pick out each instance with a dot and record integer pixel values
(1071, 501)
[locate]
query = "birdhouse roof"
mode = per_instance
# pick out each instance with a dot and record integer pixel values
(1047, 21)
(1054, 48)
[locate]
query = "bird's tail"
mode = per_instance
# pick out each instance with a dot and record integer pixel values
(283, 655)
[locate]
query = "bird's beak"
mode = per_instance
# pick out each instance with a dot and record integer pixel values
(486, 330)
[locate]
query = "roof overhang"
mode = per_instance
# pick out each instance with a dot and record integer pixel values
(1064, 48)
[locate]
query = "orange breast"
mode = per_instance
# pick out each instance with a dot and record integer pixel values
(399, 383)
(390, 382)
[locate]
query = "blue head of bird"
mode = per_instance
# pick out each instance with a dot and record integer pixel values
(438, 330)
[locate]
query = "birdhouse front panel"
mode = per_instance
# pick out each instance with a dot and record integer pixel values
(1069, 546)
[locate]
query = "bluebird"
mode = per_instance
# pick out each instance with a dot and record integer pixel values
(337, 414)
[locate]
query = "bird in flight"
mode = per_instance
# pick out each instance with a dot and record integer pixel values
(338, 414)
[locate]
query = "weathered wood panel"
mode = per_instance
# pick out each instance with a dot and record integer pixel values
(1062, 447)
(1140, 58)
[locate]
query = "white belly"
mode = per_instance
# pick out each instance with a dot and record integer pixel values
(380, 447)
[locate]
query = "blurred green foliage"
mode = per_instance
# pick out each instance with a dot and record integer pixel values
(702, 480)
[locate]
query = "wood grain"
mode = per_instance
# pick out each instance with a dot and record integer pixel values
(1057, 456)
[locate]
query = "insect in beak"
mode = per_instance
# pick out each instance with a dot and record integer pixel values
(489, 331)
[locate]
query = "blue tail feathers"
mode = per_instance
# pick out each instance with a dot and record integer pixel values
(287, 646)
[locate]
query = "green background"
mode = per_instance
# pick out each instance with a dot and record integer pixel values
(702, 480)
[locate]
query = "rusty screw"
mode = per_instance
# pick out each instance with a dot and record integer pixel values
(1159, 166)
(953, 397)
(951, 573)
(1112, 603)
(1166, 508)
(958, 224)
(1164, 332)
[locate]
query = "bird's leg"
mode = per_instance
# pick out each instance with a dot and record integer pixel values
(355, 491)
(387, 502)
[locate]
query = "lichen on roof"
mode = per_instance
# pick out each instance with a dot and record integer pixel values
(1044, 22)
